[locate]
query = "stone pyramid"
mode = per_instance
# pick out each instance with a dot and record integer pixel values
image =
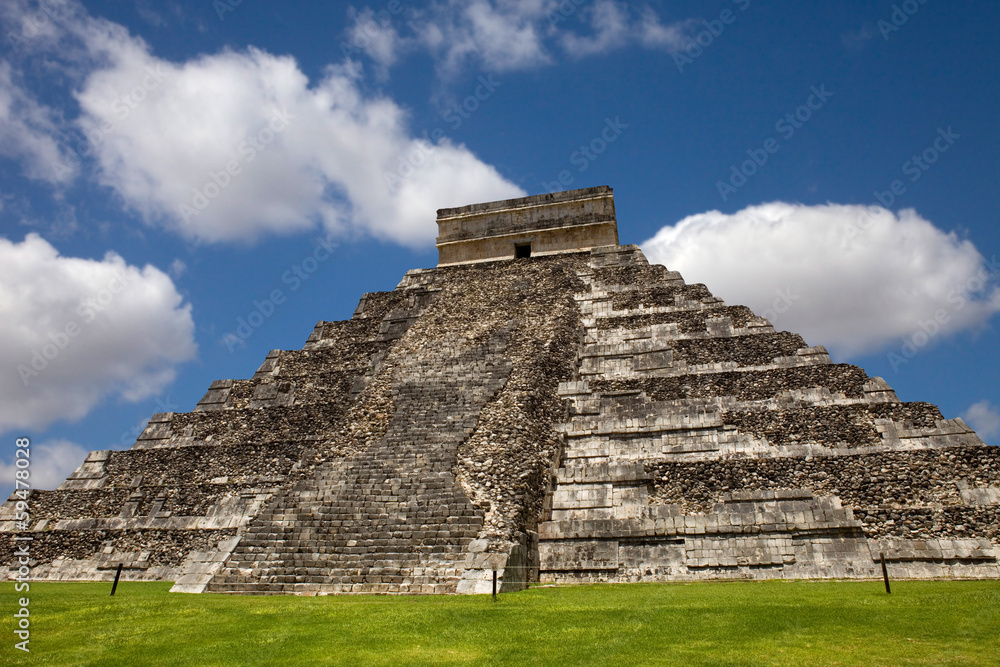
(546, 405)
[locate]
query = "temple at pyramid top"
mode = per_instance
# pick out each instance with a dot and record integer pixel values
(546, 224)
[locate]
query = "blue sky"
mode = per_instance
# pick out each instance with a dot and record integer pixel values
(187, 185)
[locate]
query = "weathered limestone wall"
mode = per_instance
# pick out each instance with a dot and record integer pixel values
(700, 443)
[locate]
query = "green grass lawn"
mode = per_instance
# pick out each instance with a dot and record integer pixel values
(738, 623)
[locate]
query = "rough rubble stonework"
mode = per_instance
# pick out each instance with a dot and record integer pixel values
(571, 417)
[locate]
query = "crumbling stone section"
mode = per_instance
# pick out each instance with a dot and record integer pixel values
(743, 385)
(921, 495)
(929, 524)
(845, 426)
(279, 424)
(55, 505)
(165, 547)
(756, 350)
(665, 296)
(929, 478)
(376, 306)
(647, 277)
(687, 321)
(240, 463)
(94, 555)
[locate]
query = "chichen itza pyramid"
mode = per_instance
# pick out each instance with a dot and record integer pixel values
(543, 403)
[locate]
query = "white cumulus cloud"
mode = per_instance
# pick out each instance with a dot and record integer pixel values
(74, 331)
(233, 146)
(853, 278)
(984, 418)
(236, 145)
(50, 463)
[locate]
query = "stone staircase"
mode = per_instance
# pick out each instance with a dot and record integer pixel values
(391, 519)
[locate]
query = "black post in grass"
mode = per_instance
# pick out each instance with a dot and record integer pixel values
(885, 572)
(118, 573)
(494, 584)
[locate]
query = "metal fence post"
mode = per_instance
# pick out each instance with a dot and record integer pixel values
(885, 572)
(118, 573)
